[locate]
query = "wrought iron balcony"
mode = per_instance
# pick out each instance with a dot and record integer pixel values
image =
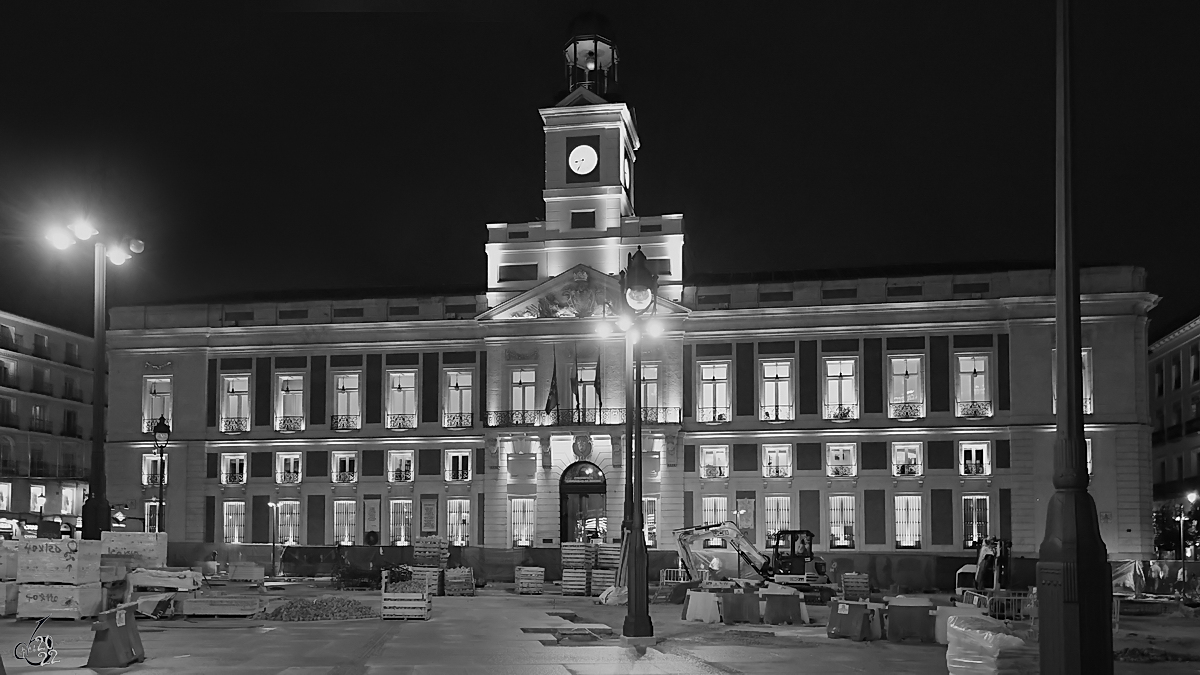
(776, 413)
(458, 474)
(72, 431)
(345, 476)
(154, 479)
(906, 469)
(580, 416)
(401, 475)
(661, 415)
(974, 410)
(906, 411)
(841, 412)
(976, 469)
(70, 471)
(713, 415)
(843, 470)
(343, 422)
(233, 478)
(10, 420)
(287, 477)
(397, 421)
(40, 470)
(234, 425)
(41, 426)
(846, 541)
(149, 422)
(458, 420)
(9, 468)
(73, 394)
(43, 388)
(72, 360)
(715, 471)
(289, 424)
(517, 418)
(777, 471)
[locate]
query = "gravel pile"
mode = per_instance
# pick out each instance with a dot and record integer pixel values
(1149, 655)
(324, 608)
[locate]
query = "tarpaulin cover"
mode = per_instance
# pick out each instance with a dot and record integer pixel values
(1128, 576)
(979, 645)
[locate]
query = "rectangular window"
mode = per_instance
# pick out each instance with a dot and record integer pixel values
(72, 358)
(841, 389)
(975, 520)
(524, 521)
(1158, 379)
(154, 469)
(235, 404)
(347, 402)
(235, 522)
(906, 388)
(583, 220)
(401, 522)
(906, 459)
(68, 501)
(524, 390)
(458, 465)
(974, 459)
(715, 511)
(233, 468)
(400, 466)
(974, 398)
(714, 393)
(41, 381)
(8, 374)
(1176, 373)
(1089, 455)
(153, 509)
(714, 461)
(402, 399)
(779, 514)
(458, 521)
(1194, 363)
(777, 391)
(37, 498)
(650, 392)
(908, 521)
(345, 515)
(156, 401)
(777, 461)
(41, 346)
(345, 467)
(287, 522)
(841, 459)
(5, 496)
(289, 402)
(518, 272)
(841, 521)
(650, 518)
(458, 399)
(287, 468)
(1086, 356)
(586, 397)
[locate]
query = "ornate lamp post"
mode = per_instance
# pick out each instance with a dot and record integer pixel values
(162, 434)
(96, 513)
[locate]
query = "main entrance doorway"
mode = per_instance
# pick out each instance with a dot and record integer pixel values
(583, 516)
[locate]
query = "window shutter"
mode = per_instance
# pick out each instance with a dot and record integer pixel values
(210, 516)
(941, 517)
(939, 374)
(809, 383)
(1003, 455)
(1006, 514)
(810, 512)
(808, 457)
(941, 454)
(212, 393)
(212, 465)
(374, 388)
(316, 397)
(744, 380)
(429, 462)
(430, 384)
(316, 463)
(316, 520)
(689, 508)
(745, 457)
(479, 472)
(260, 464)
(262, 391)
(372, 462)
(872, 375)
(1002, 391)
(260, 519)
(874, 455)
(687, 381)
(874, 517)
(689, 459)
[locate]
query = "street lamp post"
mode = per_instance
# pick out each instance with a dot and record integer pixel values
(1184, 517)
(162, 434)
(96, 513)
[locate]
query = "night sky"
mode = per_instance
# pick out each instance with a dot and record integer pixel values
(266, 153)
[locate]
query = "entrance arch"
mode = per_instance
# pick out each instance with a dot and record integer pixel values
(582, 493)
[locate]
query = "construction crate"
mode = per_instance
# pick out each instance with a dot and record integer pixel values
(530, 580)
(460, 581)
(577, 556)
(602, 580)
(608, 556)
(856, 586)
(575, 582)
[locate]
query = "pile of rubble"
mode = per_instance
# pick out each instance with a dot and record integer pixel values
(324, 608)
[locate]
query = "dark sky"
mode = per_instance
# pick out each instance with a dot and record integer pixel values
(264, 152)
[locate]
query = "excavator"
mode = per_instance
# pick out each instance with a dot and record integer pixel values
(791, 562)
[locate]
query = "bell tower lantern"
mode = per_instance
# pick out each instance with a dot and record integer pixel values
(590, 56)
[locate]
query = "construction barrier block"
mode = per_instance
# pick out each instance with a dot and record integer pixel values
(117, 643)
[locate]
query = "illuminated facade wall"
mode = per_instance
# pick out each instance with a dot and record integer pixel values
(1173, 389)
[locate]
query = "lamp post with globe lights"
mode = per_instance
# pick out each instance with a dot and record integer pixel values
(162, 434)
(96, 516)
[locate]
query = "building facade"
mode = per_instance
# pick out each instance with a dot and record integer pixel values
(900, 415)
(45, 424)
(1174, 394)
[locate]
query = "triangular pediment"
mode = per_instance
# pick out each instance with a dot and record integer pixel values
(581, 96)
(578, 293)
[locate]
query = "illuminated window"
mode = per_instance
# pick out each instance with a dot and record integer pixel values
(524, 389)
(68, 501)
(1086, 356)
(974, 459)
(974, 398)
(778, 514)
(1089, 456)
(289, 402)
(458, 465)
(347, 402)
(287, 515)
(235, 522)
(233, 468)
(908, 521)
(714, 461)
(906, 388)
(458, 521)
(235, 404)
(714, 511)
(975, 520)
(650, 518)
(841, 389)
(345, 516)
(650, 390)
(401, 522)
(524, 521)
(400, 466)
(841, 459)
(906, 459)
(154, 469)
(345, 467)
(841, 521)
(458, 399)
(157, 401)
(777, 391)
(287, 468)
(777, 461)
(5, 496)
(714, 393)
(586, 394)
(153, 516)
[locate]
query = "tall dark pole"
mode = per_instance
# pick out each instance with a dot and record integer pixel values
(96, 515)
(1074, 579)
(162, 484)
(627, 516)
(637, 617)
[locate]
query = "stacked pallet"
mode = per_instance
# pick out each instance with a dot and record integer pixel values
(460, 581)
(58, 578)
(577, 562)
(576, 582)
(428, 576)
(406, 599)
(608, 556)
(602, 580)
(8, 577)
(431, 552)
(530, 580)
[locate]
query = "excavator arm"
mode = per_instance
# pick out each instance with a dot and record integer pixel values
(694, 562)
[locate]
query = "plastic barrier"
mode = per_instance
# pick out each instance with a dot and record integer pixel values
(851, 620)
(910, 618)
(117, 643)
(980, 645)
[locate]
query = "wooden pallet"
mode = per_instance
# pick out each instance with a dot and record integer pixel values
(407, 606)
(601, 580)
(575, 582)
(608, 556)
(530, 580)
(578, 556)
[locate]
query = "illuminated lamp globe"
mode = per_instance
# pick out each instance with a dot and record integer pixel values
(60, 238)
(162, 432)
(639, 298)
(1192, 497)
(117, 255)
(591, 61)
(137, 246)
(83, 229)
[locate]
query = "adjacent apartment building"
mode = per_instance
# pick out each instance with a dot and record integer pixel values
(908, 415)
(1174, 388)
(45, 424)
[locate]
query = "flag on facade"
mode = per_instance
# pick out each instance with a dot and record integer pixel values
(552, 397)
(596, 381)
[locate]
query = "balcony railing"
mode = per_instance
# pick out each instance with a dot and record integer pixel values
(11, 342)
(400, 475)
(72, 360)
(843, 470)
(43, 388)
(580, 416)
(458, 474)
(233, 425)
(10, 381)
(910, 546)
(906, 469)
(776, 413)
(397, 421)
(661, 415)
(148, 424)
(841, 412)
(289, 424)
(41, 470)
(9, 469)
(714, 471)
(458, 420)
(287, 477)
(974, 410)
(10, 420)
(153, 479)
(517, 418)
(976, 469)
(73, 394)
(41, 426)
(777, 471)
(906, 411)
(713, 415)
(345, 476)
(72, 431)
(41, 352)
(233, 478)
(343, 422)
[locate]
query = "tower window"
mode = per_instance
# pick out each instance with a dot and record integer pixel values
(519, 272)
(583, 220)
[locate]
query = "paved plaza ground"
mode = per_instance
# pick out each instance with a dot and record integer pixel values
(499, 633)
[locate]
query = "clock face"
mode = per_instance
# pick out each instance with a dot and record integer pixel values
(582, 159)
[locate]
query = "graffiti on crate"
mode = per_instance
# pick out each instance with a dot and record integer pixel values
(39, 651)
